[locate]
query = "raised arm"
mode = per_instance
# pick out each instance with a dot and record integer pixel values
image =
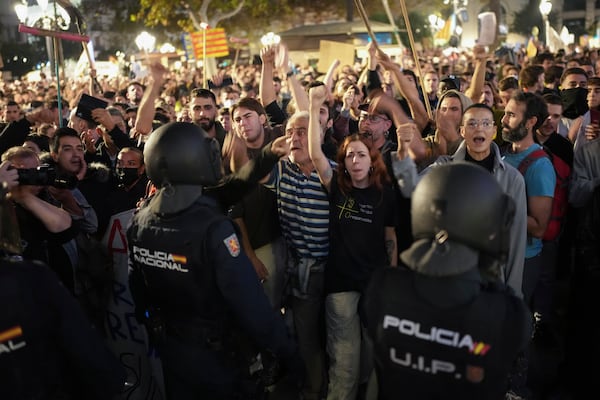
(408, 90)
(145, 114)
(475, 89)
(297, 91)
(317, 96)
(266, 91)
(328, 80)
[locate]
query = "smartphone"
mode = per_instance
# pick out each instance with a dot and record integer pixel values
(595, 117)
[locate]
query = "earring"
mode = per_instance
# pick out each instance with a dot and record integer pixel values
(371, 169)
(346, 171)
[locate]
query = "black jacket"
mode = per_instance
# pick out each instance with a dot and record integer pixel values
(48, 348)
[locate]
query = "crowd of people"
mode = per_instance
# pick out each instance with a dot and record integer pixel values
(288, 193)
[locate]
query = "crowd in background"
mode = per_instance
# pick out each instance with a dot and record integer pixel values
(103, 147)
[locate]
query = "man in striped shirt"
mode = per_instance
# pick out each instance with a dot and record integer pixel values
(303, 209)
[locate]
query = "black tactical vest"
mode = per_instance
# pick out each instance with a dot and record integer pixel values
(179, 276)
(424, 351)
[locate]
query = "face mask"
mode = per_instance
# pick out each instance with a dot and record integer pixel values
(574, 102)
(126, 176)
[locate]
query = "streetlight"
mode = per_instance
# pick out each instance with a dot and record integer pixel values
(545, 8)
(145, 42)
(167, 48)
(48, 16)
(435, 24)
(204, 27)
(270, 39)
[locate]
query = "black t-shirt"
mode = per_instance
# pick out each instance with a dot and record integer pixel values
(259, 207)
(357, 235)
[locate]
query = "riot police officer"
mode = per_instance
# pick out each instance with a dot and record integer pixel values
(191, 279)
(48, 347)
(439, 331)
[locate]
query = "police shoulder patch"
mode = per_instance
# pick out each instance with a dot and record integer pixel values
(233, 245)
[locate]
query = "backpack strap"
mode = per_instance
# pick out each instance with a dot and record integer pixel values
(530, 158)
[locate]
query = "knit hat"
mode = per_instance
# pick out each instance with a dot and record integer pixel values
(464, 100)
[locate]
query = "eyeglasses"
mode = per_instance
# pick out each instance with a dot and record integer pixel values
(373, 118)
(301, 132)
(484, 123)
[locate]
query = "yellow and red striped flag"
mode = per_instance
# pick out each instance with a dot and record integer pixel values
(216, 43)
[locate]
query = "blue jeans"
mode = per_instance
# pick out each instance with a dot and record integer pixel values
(343, 344)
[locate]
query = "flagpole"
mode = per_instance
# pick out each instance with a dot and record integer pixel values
(411, 40)
(204, 27)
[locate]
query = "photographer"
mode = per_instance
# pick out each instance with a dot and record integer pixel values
(44, 227)
(49, 349)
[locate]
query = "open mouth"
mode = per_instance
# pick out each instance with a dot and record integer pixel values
(479, 140)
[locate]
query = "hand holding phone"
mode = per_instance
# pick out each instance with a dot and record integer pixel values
(595, 117)
(593, 129)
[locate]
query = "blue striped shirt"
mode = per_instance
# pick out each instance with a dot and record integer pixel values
(303, 208)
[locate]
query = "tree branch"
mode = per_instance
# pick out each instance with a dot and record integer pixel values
(195, 21)
(204, 10)
(220, 17)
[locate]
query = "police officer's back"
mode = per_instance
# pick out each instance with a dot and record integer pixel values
(48, 347)
(190, 272)
(438, 331)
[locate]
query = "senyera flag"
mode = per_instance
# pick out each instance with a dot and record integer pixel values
(216, 43)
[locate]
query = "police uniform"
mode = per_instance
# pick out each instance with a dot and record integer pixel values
(189, 271)
(442, 339)
(48, 348)
(439, 331)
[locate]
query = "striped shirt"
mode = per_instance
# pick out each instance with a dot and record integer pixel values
(303, 208)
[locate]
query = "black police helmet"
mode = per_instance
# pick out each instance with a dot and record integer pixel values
(462, 202)
(182, 153)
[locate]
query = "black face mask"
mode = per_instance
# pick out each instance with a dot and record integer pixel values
(574, 102)
(126, 176)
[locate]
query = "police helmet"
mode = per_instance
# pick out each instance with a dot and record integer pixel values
(182, 153)
(462, 202)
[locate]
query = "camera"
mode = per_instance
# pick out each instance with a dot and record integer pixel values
(46, 175)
